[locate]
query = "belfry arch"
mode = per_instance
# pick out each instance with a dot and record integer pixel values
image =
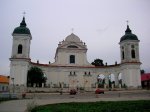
(111, 78)
(120, 80)
(101, 81)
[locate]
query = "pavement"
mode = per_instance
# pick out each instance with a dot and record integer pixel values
(34, 99)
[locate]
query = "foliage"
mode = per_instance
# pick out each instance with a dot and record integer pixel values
(124, 86)
(98, 62)
(35, 76)
(81, 88)
(111, 106)
(142, 72)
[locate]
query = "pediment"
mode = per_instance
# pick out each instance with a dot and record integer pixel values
(73, 45)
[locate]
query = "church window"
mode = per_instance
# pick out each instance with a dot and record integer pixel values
(19, 49)
(123, 55)
(89, 73)
(133, 53)
(84, 73)
(72, 58)
(72, 46)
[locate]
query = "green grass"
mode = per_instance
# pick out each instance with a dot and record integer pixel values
(109, 106)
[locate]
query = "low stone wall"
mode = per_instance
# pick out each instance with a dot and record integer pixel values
(32, 89)
(51, 90)
(23, 89)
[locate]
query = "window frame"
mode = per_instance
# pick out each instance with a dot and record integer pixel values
(20, 48)
(72, 59)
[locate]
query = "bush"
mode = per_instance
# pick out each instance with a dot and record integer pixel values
(81, 88)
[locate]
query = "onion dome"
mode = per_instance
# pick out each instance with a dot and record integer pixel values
(128, 35)
(22, 29)
(72, 38)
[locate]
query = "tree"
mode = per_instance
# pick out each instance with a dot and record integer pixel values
(35, 76)
(98, 62)
(142, 71)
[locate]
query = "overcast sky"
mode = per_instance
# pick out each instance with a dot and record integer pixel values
(98, 23)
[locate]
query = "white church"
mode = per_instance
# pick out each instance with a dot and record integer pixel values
(71, 68)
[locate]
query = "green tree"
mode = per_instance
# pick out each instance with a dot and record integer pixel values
(142, 71)
(98, 62)
(35, 76)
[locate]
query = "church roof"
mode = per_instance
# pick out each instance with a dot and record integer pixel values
(72, 38)
(22, 29)
(128, 35)
(145, 77)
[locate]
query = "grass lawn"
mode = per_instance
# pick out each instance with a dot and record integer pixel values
(102, 106)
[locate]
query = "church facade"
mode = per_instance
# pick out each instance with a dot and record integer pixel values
(71, 68)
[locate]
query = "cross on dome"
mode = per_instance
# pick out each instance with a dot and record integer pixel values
(127, 22)
(72, 29)
(24, 13)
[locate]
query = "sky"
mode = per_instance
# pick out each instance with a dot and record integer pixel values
(98, 23)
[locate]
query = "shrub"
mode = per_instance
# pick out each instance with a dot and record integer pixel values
(81, 88)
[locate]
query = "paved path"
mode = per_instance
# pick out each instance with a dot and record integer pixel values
(46, 98)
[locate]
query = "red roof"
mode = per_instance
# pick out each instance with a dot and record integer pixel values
(4, 79)
(49, 65)
(145, 77)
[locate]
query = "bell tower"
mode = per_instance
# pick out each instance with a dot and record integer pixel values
(21, 41)
(20, 57)
(129, 47)
(130, 62)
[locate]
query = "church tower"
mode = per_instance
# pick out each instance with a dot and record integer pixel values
(20, 56)
(129, 46)
(130, 62)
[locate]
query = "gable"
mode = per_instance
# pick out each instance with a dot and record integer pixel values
(73, 45)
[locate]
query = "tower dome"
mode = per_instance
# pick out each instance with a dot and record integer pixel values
(22, 29)
(128, 35)
(72, 38)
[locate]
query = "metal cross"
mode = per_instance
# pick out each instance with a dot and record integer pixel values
(127, 22)
(24, 13)
(72, 29)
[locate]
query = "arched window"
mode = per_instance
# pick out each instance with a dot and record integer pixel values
(72, 46)
(120, 78)
(122, 55)
(19, 49)
(101, 80)
(133, 53)
(72, 58)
